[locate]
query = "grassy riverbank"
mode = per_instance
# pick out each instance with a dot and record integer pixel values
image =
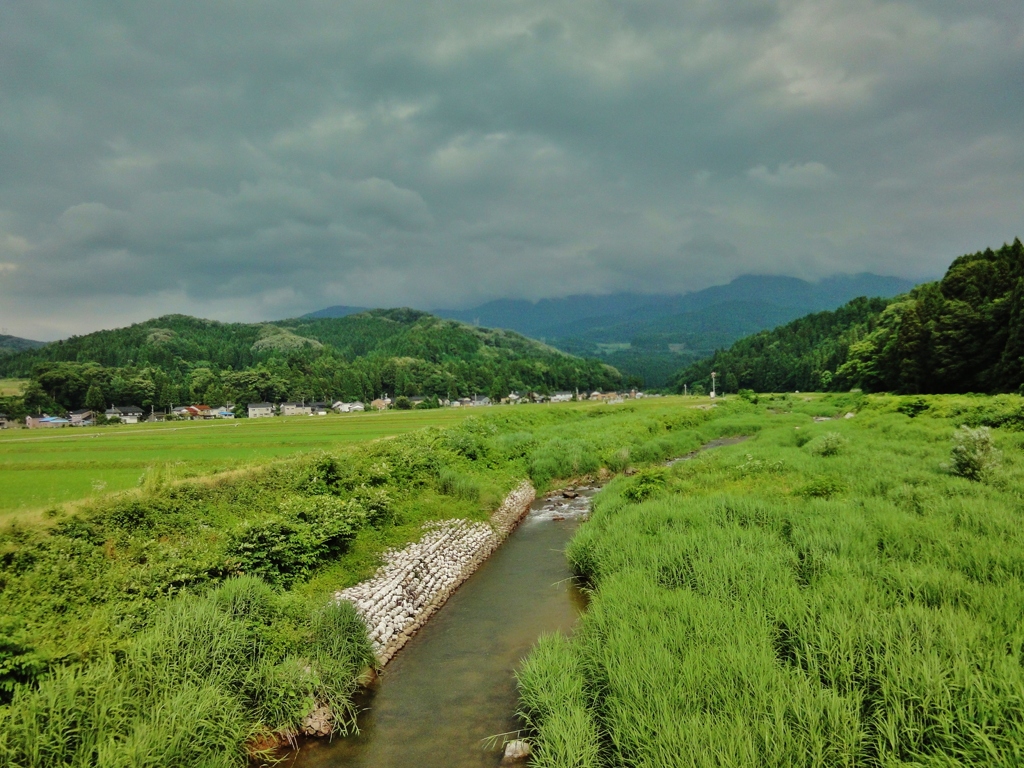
(825, 594)
(173, 624)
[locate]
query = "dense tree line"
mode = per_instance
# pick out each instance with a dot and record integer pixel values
(801, 355)
(964, 333)
(178, 360)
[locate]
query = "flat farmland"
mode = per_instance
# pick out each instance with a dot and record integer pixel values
(40, 468)
(10, 387)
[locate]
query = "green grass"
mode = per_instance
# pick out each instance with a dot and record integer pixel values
(113, 611)
(826, 594)
(43, 468)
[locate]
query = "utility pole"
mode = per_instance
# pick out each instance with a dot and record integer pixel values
(713, 374)
(686, 392)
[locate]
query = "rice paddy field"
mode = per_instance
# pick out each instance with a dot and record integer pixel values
(847, 592)
(41, 468)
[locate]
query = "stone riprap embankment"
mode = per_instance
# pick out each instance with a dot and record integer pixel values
(417, 580)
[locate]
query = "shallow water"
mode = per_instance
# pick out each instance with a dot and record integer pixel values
(453, 684)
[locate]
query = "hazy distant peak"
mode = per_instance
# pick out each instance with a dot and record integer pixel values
(16, 344)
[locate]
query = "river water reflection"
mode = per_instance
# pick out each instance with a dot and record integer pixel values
(453, 685)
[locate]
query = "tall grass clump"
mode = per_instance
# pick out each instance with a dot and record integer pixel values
(562, 458)
(457, 485)
(210, 673)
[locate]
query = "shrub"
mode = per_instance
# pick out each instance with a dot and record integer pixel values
(273, 549)
(645, 485)
(913, 407)
(322, 475)
(974, 454)
(749, 395)
(308, 530)
(824, 487)
(380, 509)
(829, 444)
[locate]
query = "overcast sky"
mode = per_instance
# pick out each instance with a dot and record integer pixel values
(253, 160)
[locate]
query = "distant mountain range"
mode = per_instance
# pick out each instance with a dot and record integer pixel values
(963, 333)
(10, 344)
(650, 336)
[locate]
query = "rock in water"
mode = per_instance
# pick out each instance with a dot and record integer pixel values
(518, 749)
(570, 494)
(319, 722)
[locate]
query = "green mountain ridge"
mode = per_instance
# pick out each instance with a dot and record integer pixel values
(649, 336)
(963, 333)
(11, 344)
(176, 359)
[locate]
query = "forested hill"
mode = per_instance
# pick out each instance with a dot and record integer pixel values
(964, 333)
(179, 359)
(10, 344)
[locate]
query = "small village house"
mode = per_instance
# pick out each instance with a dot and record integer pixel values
(126, 414)
(295, 409)
(83, 417)
(3, 421)
(260, 410)
(42, 421)
(353, 407)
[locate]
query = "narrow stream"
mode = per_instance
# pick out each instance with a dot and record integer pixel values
(453, 685)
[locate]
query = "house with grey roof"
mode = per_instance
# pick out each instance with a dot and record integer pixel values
(260, 410)
(126, 414)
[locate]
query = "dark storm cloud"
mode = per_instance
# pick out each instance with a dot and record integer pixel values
(245, 160)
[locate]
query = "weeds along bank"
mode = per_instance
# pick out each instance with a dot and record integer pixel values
(176, 625)
(841, 593)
